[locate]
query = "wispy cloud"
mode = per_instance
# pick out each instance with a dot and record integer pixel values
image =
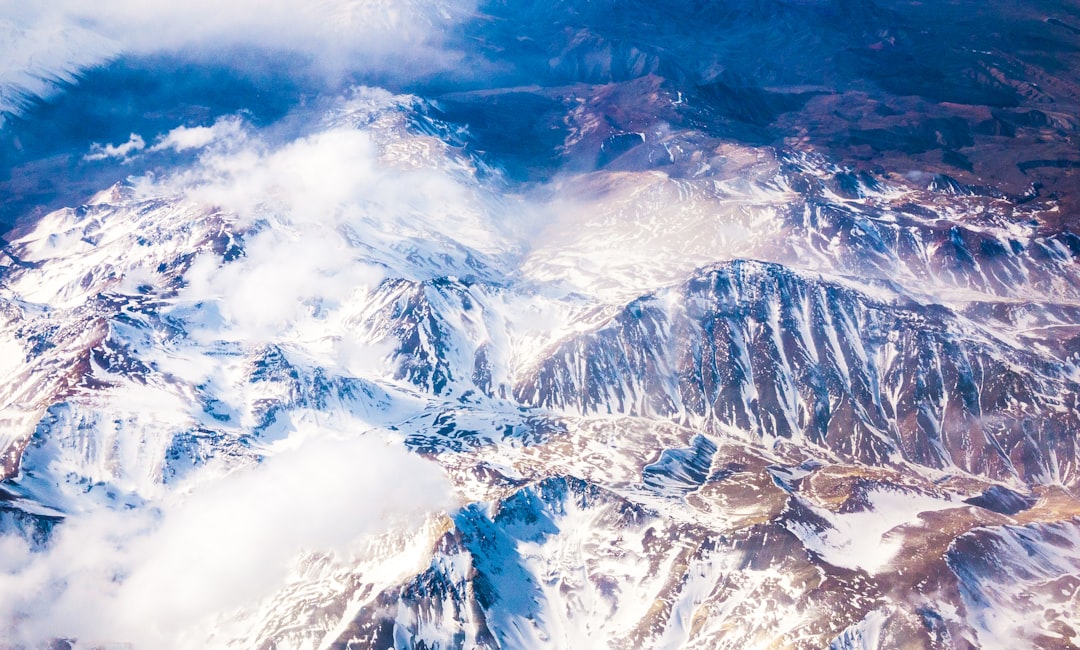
(322, 217)
(150, 577)
(184, 138)
(37, 56)
(43, 44)
(121, 151)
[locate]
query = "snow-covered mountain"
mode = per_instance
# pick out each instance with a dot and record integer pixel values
(599, 354)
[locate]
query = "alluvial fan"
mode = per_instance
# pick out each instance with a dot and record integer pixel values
(506, 324)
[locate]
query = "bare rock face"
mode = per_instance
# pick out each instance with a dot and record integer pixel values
(879, 380)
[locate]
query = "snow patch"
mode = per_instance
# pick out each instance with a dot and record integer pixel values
(866, 539)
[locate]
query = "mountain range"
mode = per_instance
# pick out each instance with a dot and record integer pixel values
(541, 325)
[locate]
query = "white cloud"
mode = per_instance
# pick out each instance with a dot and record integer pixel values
(44, 43)
(184, 138)
(36, 57)
(305, 25)
(155, 579)
(285, 284)
(323, 218)
(123, 150)
(326, 218)
(300, 264)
